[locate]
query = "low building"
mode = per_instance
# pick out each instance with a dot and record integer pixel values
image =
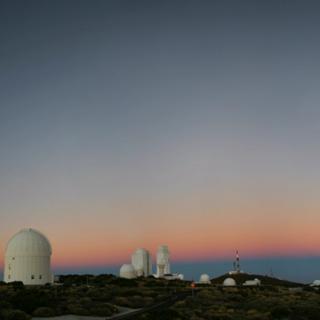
(252, 283)
(173, 276)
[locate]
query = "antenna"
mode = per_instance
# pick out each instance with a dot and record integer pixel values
(238, 269)
(271, 272)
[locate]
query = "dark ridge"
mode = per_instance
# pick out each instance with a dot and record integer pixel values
(240, 278)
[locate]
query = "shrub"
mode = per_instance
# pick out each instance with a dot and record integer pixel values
(5, 305)
(103, 310)
(44, 312)
(280, 312)
(16, 315)
(17, 284)
(121, 301)
(77, 310)
(30, 299)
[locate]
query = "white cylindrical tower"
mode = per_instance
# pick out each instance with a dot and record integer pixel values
(27, 258)
(141, 261)
(163, 264)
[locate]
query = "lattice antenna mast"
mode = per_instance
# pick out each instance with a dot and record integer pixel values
(238, 269)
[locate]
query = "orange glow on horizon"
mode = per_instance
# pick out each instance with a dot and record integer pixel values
(201, 231)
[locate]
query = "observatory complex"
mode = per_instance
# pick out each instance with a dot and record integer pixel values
(27, 258)
(141, 265)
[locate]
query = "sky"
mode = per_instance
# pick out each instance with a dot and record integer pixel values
(195, 124)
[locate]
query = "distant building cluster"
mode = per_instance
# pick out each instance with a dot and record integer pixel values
(141, 265)
(28, 259)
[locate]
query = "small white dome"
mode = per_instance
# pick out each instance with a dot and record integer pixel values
(229, 282)
(28, 242)
(316, 283)
(205, 279)
(127, 271)
(180, 276)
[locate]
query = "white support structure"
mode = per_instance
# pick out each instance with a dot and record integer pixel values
(163, 264)
(141, 261)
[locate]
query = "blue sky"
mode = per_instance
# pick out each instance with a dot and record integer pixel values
(191, 123)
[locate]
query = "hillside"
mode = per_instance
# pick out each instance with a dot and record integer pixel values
(265, 280)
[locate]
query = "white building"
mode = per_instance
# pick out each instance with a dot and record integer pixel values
(204, 279)
(173, 276)
(27, 258)
(315, 283)
(252, 283)
(163, 265)
(141, 261)
(127, 271)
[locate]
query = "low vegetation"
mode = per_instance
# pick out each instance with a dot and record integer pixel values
(104, 295)
(259, 303)
(81, 295)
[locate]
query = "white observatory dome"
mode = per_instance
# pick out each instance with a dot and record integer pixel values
(27, 258)
(181, 276)
(204, 279)
(127, 271)
(229, 282)
(315, 283)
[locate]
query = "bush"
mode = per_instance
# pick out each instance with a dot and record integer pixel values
(280, 312)
(29, 300)
(104, 310)
(44, 312)
(17, 284)
(86, 303)
(121, 301)
(77, 309)
(306, 312)
(16, 315)
(5, 305)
